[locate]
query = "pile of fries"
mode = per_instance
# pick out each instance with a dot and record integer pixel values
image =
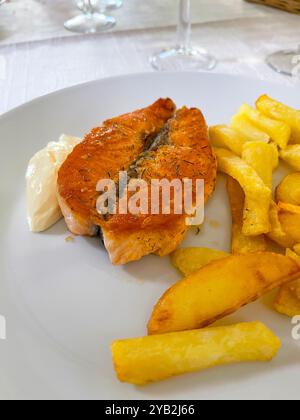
(215, 283)
(250, 164)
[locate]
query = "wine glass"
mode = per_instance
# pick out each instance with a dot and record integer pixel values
(183, 56)
(93, 19)
(285, 61)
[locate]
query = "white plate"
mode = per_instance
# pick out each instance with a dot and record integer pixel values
(64, 303)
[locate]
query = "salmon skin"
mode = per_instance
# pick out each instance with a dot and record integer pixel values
(104, 152)
(153, 143)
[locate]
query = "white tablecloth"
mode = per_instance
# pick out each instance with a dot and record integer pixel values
(31, 69)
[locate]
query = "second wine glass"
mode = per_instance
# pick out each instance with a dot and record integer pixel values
(285, 61)
(183, 56)
(92, 20)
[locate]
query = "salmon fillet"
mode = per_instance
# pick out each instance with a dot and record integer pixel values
(153, 143)
(104, 152)
(182, 150)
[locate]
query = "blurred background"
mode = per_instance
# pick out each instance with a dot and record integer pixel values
(46, 45)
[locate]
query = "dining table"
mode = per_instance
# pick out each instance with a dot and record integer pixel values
(39, 56)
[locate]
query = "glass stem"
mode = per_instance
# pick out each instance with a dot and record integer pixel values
(88, 7)
(184, 25)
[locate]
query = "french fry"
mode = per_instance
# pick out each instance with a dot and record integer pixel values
(261, 157)
(277, 233)
(288, 191)
(278, 131)
(289, 217)
(228, 138)
(257, 195)
(291, 155)
(291, 208)
(189, 260)
(241, 244)
(149, 359)
(278, 111)
(248, 130)
(297, 249)
(295, 286)
(287, 301)
(219, 289)
(293, 255)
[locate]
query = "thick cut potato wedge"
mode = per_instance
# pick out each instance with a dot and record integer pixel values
(241, 124)
(261, 157)
(144, 360)
(278, 131)
(288, 191)
(189, 260)
(277, 233)
(290, 221)
(219, 289)
(281, 112)
(228, 138)
(291, 155)
(241, 244)
(288, 299)
(257, 195)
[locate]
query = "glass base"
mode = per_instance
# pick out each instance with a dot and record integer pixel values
(285, 62)
(90, 23)
(191, 59)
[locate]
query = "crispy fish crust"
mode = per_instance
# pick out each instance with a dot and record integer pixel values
(104, 152)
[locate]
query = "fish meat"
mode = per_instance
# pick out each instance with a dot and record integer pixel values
(104, 152)
(181, 151)
(157, 142)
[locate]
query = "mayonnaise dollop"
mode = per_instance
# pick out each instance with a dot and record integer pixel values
(43, 209)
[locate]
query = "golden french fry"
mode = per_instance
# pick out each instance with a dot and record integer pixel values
(278, 131)
(290, 253)
(257, 195)
(291, 208)
(149, 359)
(288, 191)
(248, 130)
(291, 155)
(241, 244)
(189, 260)
(287, 301)
(226, 137)
(261, 157)
(297, 249)
(290, 221)
(294, 286)
(219, 289)
(277, 233)
(278, 111)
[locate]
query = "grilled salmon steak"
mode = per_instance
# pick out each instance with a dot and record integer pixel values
(182, 150)
(104, 152)
(154, 143)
